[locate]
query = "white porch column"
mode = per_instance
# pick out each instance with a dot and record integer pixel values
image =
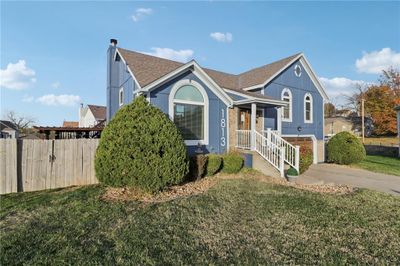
(253, 125)
(279, 119)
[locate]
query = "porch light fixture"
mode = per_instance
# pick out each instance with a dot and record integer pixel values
(299, 128)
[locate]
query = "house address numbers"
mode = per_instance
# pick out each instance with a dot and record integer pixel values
(223, 126)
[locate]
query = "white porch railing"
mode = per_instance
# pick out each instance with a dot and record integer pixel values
(271, 152)
(292, 153)
(271, 146)
(243, 139)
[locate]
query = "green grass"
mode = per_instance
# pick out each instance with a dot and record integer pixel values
(381, 164)
(238, 221)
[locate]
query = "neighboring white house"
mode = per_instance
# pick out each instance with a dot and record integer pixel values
(8, 130)
(91, 115)
(398, 125)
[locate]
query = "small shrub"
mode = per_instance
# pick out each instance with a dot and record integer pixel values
(345, 148)
(306, 158)
(198, 166)
(213, 164)
(291, 171)
(141, 147)
(232, 163)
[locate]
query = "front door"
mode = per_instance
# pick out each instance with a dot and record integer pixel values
(244, 122)
(244, 119)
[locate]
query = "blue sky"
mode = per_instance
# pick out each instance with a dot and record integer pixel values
(53, 55)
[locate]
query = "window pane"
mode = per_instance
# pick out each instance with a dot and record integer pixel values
(189, 93)
(286, 109)
(190, 120)
(286, 112)
(308, 111)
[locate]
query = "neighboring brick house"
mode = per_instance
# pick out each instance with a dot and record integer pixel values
(70, 124)
(334, 125)
(261, 110)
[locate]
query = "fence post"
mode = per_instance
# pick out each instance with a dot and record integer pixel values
(297, 158)
(282, 161)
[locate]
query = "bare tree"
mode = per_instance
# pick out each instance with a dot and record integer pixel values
(22, 122)
(391, 78)
(353, 101)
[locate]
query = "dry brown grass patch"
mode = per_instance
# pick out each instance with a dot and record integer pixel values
(326, 188)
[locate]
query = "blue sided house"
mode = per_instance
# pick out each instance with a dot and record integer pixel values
(268, 111)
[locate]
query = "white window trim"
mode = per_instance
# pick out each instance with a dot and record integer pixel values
(301, 70)
(290, 105)
(171, 102)
(311, 108)
(121, 101)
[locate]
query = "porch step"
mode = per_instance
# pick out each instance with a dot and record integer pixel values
(260, 164)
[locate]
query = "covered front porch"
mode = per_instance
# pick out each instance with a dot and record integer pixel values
(250, 130)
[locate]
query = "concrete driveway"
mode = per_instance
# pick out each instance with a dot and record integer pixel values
(338, 174)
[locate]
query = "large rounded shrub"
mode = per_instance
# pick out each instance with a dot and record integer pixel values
(141, 147)
(345, 148)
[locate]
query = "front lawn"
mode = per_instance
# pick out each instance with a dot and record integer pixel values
(237, 221)
(381, 164)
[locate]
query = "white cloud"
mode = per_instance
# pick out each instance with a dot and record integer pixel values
(376, 61)
(222, 37)
(59, 100)
(27, 98)
(140, 13)
(168, 53)
(17, 76)
(340, 86)
(56, 85)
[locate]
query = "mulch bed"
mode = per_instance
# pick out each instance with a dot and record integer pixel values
(200, 186)
(184, 190)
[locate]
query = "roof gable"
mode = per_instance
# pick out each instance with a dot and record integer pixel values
(146, 69)
(99, 112)
(7, 124)
(261, 74)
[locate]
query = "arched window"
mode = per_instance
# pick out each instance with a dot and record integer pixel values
(189, 111)
(287, 110)
(308, 108)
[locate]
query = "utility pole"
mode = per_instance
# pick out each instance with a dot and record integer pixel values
(362, 118)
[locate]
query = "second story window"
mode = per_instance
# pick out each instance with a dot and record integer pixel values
(287, 110)
(121, 96)
(308, 108)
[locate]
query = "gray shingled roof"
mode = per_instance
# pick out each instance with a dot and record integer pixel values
(147, 69)
(7, 124)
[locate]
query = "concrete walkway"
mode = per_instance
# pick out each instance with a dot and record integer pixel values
(337, 174)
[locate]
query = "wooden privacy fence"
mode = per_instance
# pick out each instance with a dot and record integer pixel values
(30, 165)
